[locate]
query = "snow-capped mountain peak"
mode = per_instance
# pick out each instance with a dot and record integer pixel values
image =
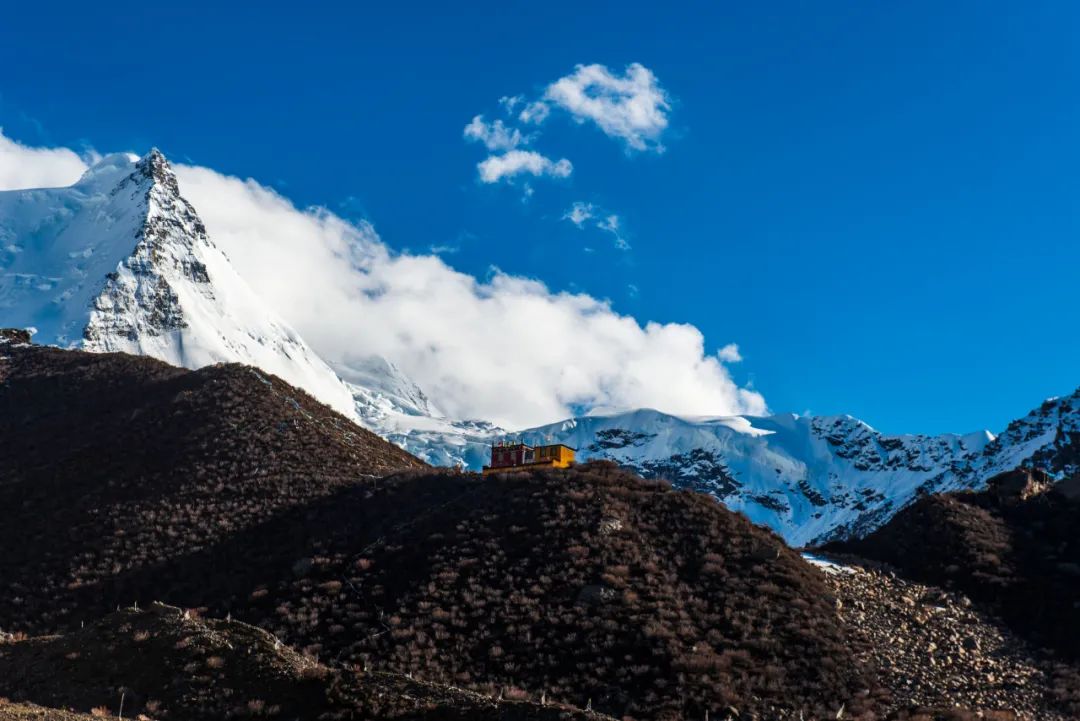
(120, 261)
(1048, 438)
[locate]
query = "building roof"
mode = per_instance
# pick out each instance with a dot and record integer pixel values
(526, 445)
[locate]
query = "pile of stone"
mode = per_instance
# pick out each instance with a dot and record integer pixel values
(933, 648)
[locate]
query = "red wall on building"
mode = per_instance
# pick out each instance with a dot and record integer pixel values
(503, 456)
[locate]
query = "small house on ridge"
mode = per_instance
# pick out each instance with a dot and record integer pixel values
(509, 457)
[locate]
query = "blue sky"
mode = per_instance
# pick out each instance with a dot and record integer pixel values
(877, 203)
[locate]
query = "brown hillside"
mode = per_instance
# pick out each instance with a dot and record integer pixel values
(587, 585)
(111, 464)
(165, 663)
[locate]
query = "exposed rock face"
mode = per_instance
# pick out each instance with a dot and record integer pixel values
(808, 478)
(1020, 485)
(1047, 438)
(14, 335)
(697, 470)
(137, 299)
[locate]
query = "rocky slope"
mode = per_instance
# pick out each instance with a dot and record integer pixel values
(933, 647)
(10, 711)
(1014, 549)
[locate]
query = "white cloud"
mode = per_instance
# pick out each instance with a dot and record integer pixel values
(609, 223)
(730, 353)
(579, 213)
(632, 107)
(509, 102)
(494, 136)
(535, 112)
(506, 349)
(25, 167)
(612, 224)
(517, 162)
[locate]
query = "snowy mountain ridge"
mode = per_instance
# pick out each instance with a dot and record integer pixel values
(120, 261)
(816, 478)
(805, 477)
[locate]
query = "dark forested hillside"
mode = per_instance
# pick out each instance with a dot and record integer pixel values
(112, 464)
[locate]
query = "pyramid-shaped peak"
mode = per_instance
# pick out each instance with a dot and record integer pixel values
(154, 166)
(154, 158)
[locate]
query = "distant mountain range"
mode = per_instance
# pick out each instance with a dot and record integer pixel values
(818, 478)
(121, 262)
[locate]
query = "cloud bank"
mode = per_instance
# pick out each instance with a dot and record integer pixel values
(25, 167)
(506, 348)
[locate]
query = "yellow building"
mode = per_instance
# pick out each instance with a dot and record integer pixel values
(509, 457)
